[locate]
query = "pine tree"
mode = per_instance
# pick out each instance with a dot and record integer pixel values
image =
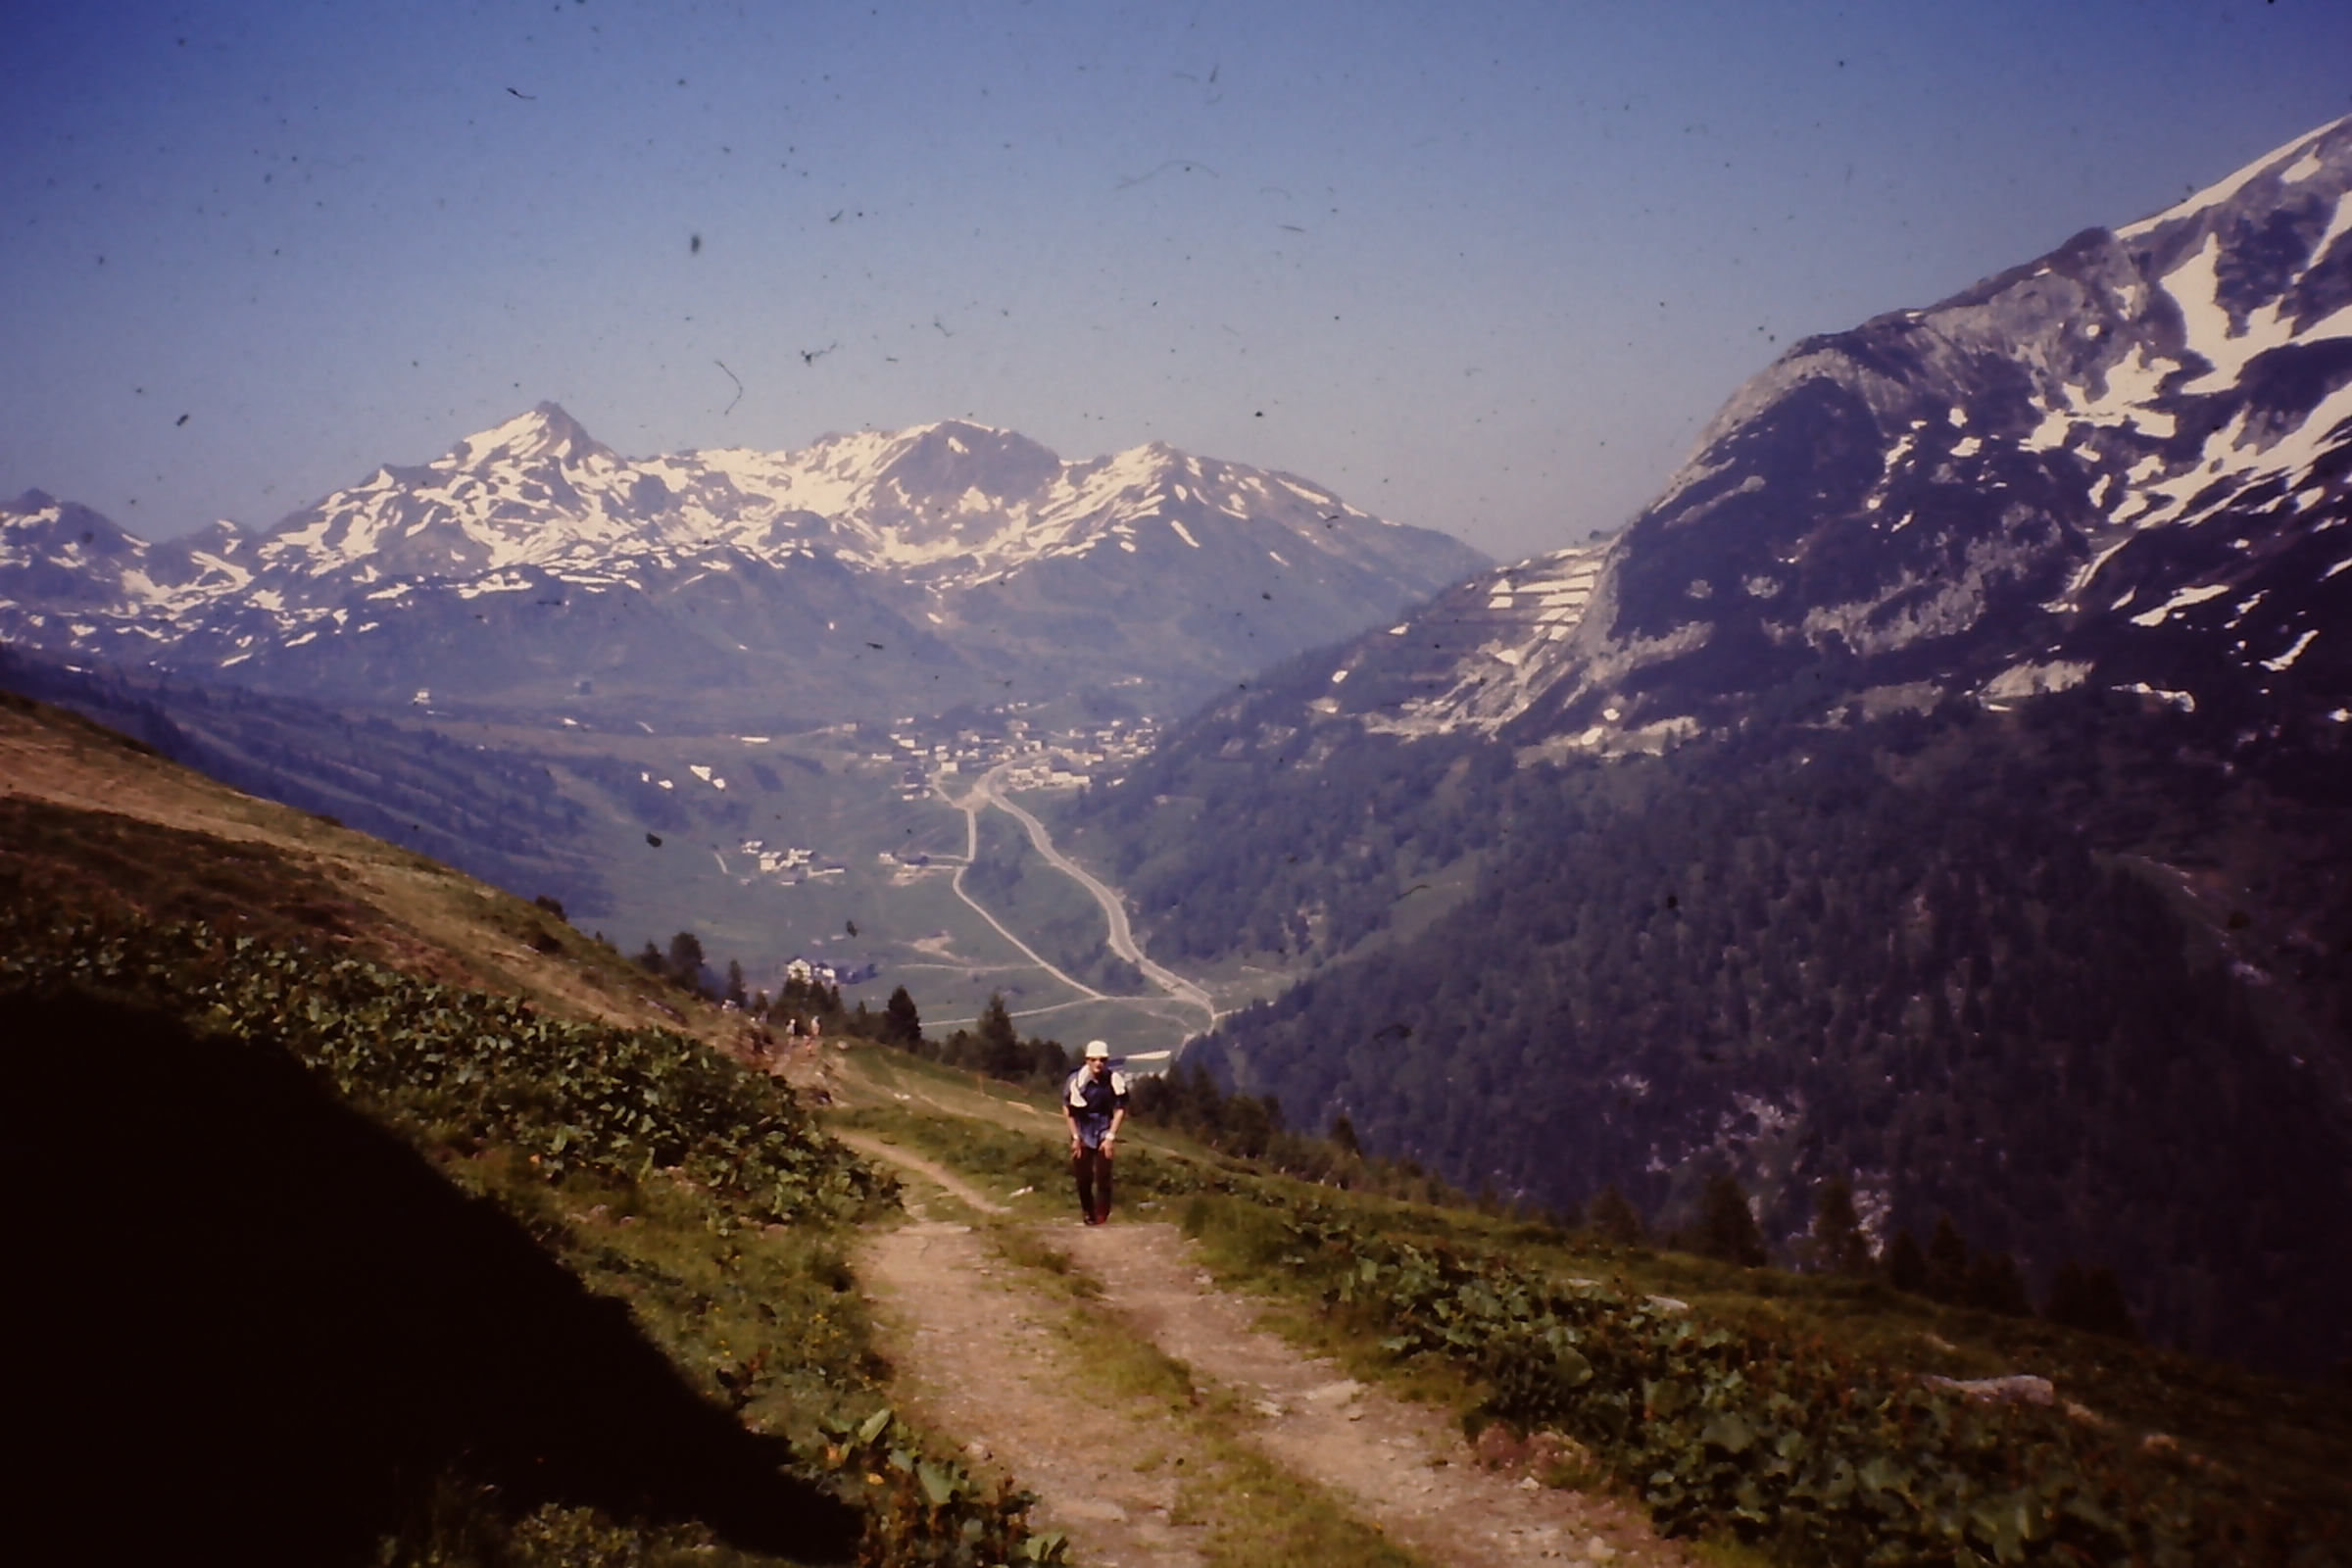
(1050, 1063)
(1995, 1286)
(1248, 1129)
(999, 1043)
(686, 958)
(1838, 1246)
(902, 1024)
(1201, 1107)
(1906, 1266)
(1614, 1218)
(1726, 1228)
(1947, 1263)
(1342, 1132)
(734, 991)
(2105, 1311)
(2065, 1306)
(2092, 1301)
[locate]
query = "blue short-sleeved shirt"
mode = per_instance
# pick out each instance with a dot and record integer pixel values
(1091, 1101)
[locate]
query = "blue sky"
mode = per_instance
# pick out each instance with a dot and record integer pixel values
(1485, 268)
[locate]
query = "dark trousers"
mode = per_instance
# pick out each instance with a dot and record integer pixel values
(1091, 1168)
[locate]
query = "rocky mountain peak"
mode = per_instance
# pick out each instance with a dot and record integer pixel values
(545, 434)
(2122, 464)
(1085, 572)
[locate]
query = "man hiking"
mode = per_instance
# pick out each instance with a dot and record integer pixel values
(1094, 1105)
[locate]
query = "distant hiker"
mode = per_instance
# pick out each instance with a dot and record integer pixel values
(1094, 1105)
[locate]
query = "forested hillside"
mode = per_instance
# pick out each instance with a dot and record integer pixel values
(1939, 785)
(1985, 965)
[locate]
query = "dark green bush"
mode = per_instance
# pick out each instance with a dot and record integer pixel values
(1745, 1430)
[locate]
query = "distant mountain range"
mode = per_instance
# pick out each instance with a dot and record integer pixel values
(533, 569)
(1946, 784)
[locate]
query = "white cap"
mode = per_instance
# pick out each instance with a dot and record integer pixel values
(1097, 1048)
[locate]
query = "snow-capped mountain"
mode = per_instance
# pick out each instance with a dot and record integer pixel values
(934, 565)
(2067, 973)
(2123, 463)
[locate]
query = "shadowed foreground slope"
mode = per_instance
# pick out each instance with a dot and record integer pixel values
(246, 1315)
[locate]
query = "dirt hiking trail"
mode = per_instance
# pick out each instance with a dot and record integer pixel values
(984, 1347)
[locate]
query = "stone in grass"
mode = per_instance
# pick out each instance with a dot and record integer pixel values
(2021, 1388)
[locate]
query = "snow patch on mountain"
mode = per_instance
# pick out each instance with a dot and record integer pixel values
(896, 526)
(2113, 464)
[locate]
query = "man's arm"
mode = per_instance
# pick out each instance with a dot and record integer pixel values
(1118, 1106)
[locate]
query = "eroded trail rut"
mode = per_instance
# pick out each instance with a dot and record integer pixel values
(982, 1348)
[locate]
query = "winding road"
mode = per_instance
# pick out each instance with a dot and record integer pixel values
(1122, 937)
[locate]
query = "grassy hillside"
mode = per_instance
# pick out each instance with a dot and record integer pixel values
(490, 813)
(1725, 1399)
(638, 835)
(311, 1092)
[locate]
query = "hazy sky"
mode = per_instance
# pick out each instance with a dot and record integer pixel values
(1486, 267)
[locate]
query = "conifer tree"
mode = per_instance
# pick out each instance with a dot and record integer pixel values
(1995, 1286)
(1050, 1063)
(1248, 1128)
(1614, 1218)
(1947, 1263)
(1838, 1246)
(1201, 1107)
(1342, 1132)
(686, 958)
(2090, 1299)
(735, 991)
(1726, 1229)
(999, 1043)
(902, 1024)
(2065, 1306)
(2105, 1310)
(1906, 1265)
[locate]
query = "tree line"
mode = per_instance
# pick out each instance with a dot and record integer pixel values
(1934, 954)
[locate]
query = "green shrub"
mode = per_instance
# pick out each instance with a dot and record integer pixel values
(475, 1070)
(927, 1510)
(1747, 1431)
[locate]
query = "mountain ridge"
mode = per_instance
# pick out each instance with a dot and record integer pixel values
(2162, 405)
(978, 551)
(1981, 677)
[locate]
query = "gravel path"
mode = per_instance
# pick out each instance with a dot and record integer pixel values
(1402, 1465)
(976, 1342)
(981, 1356)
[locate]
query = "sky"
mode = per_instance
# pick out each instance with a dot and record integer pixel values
(1485, 268)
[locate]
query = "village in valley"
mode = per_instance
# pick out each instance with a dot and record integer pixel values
(926, 759)
(1033, 757)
